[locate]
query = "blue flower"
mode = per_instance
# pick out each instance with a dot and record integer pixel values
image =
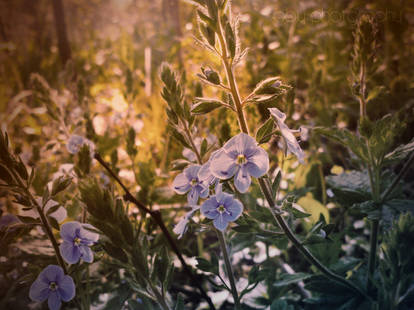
(76, 242)
(76, 142)
(52, 284)
(242, 158)
(181, 226)
(188, 181)
(287, 134)
(222, 208)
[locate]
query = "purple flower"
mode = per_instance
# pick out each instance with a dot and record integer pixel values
(76, 242)
(242, 158)
(52, 284)
(222, 208)
(188, 181)
(287, 134)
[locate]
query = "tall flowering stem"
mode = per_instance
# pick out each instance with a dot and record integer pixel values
(227, 63)
(229, 270)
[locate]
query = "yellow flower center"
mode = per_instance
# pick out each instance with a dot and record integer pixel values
(76, 241)
(221, 209)
(241, 159)
(193, 182)
(53, 286)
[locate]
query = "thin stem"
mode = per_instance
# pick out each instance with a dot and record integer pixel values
(44, 221)
(193, 146)
(156, 215)
(229, 270)
(273, 207)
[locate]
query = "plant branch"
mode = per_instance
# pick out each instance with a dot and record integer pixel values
(273, 207)
(156, 215)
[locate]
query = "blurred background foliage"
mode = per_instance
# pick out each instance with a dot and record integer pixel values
(104, 83)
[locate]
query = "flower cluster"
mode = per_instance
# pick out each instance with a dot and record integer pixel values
(240, 157)
(52, 284)
(77, 240)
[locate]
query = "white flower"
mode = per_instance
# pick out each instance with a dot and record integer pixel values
(291, 142)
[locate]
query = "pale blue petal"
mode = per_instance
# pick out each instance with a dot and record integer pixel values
(66, 288)
(208, 208)
(240, 144)
(181, 184)
(88, 234)
(191, 172)
(219, 192)
(204, 191)
(54, 302)
(278, 115)
(220, 223)
(39, 290)
(204, 172)
(86, 253)
(258, 163)
(181, 226)
(192, 197)
(242, 180)
(223, 166)
(70, 230)
(234, 210)
(52, 273)
(69, 252)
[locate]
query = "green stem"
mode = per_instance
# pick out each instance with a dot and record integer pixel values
(159, 297)
(273, 207)
(44, 221)
(229, 269)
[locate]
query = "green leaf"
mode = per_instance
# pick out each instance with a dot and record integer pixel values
(287, 278)
(205, 105)
(348, 139)
(60, 184)
(180, 303)
(180, 137)
(28, 220)
(206, 266)
(399, 153)
(203, 148)
(276, 183)
(244, 229)
(263, 133)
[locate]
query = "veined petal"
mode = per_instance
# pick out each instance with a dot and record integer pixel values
(66, 288)
(240, 143)
(191, 172)
(234, 210)
(220, 223)
(85, 233)
(192, 196)
(39, 290)
(70, 230)
(70, 252)
(52, 273)
(181, 226)
(181, 184)
(223, 166)
(242, 180)
(86, 253)
(278, 115)
(54, 301)
(208, 208)
(204, 190)
(258, 163)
